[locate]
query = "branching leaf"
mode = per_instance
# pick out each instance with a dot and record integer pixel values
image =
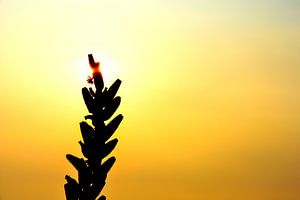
(112, 126)
(108, 147)
(85, 151)
(88, 100)
(78, 163)
(110, 109)
(107, 165)
(71, 188)
(87, 132)
(112, 91)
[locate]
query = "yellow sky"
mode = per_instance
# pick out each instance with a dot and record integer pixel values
(210, 96)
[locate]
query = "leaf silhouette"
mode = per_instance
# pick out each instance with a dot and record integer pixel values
(87, 132)
(112, 126)
(89, 100)
(78, 163)
(108, 147)
(72, 189)
(111, 108)
(107, 165)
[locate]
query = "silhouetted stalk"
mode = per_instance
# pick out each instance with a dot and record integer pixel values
(92, 170)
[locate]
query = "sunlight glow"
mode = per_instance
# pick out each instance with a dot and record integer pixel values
(108, 69)
(210, 96)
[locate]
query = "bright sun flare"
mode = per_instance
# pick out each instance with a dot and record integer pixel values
(107, 67)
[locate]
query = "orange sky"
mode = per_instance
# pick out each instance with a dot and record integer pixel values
(210, 96)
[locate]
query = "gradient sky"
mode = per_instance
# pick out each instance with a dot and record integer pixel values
(210, 96)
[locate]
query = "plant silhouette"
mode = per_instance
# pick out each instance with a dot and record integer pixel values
(92, 170)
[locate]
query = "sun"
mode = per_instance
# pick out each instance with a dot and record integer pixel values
(108, 69)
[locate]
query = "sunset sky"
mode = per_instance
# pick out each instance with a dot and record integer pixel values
(210, 96)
